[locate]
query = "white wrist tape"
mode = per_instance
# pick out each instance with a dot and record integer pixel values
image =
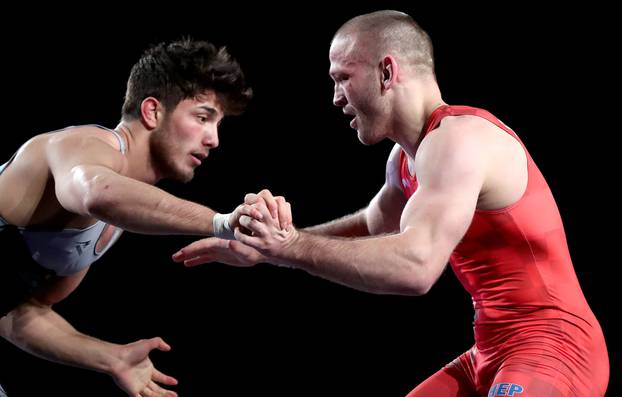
(222, 229)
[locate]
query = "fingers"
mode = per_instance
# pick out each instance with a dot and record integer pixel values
(159, 377)
(249, 210)
(198, 260)
(253, 225)
(160, 344)
(270, 203)
(144, 346)
(251, 198)
(179, 256)
(154, 390)
(198, 248)
(267, 197)
(278, 208)
(285, 212)
(257, 225)
(245, 238)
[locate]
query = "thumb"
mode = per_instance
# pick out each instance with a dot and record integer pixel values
(250, 198)
(158, 343)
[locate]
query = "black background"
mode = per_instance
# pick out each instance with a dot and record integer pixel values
(279, 332)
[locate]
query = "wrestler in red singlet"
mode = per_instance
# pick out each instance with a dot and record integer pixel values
(535, 334)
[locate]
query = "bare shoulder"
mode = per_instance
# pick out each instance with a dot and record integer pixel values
(81, 135)
(471, 135)
(84, 135)
(465, 128)
(455, 135)
(478, 128)
(470, 144)
(458, 150)
(84, 145)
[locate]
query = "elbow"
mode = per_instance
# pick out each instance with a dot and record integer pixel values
(15, 326)
(421, 263)
(412, 280)
(423, 270)
(422, 289)
(418, 285)
(406, 286)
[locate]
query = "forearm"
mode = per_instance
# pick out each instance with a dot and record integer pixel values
(142, 208)
(382, 264)
(43, 333)
(353, 225)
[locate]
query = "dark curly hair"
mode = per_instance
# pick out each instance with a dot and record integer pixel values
(174, 71)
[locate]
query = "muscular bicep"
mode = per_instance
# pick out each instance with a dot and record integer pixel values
(450, 172)
(75, 161)
(439, 219)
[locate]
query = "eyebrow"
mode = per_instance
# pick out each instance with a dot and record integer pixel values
(338, 70)
(208, 109)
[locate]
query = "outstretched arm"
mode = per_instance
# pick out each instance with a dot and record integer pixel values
(89, 175)
(450, 167)
(40, 331)
(382, 215)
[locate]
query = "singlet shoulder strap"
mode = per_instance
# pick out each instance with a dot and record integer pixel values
(122, 144)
